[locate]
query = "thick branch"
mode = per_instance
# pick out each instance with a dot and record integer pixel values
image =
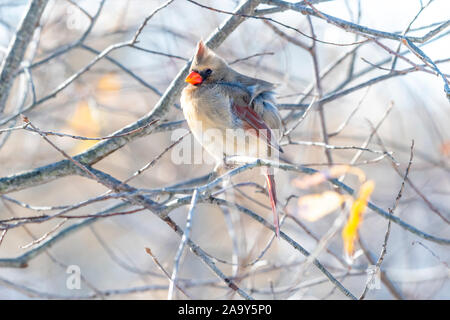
(99, 151)
(17, 48)
(249, 164)
(22, 260)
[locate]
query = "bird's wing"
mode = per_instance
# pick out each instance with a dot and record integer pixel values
(248, 104)
(251, 120)
(262, 99)
(262, 120)
(247, 81)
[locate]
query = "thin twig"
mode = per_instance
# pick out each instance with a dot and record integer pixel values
(186, 234)
(155, 260)
(388, 231)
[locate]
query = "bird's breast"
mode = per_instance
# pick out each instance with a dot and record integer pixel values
(206, 108)
(216, 128)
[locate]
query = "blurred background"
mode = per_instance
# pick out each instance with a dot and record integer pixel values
(111, 252)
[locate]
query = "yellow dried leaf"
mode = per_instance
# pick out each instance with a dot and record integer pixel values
(322, 176)
(83, 145)
(109, 82)
(84, 123)
(350, 230)
(315, 206)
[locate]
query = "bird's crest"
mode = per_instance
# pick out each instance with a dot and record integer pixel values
(201, 50)
(203, 54)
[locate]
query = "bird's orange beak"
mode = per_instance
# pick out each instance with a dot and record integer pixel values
(194, 78)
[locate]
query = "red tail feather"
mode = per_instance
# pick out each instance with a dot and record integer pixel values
(273, 200)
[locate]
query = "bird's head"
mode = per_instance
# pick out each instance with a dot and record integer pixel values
(206, 67)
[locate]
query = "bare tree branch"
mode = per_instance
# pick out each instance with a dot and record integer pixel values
(17, 47)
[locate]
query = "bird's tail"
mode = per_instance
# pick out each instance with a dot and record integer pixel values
(273, 199)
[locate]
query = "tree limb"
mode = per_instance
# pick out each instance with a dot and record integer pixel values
(17, 48)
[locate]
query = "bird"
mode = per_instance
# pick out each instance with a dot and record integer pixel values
(231, 114)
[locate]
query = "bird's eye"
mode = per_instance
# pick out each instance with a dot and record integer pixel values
(208, 72)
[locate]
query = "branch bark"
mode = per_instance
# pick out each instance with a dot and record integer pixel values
(353, 27)
(17, 48)
(91, 156)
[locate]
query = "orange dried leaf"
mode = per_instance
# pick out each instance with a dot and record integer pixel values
(350, 230)
(109, 82)
(333, 172)
(309, 181)
(445, 148)
(315, 206)
(337, 171)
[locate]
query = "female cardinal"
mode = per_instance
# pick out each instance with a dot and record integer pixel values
(231, 114)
